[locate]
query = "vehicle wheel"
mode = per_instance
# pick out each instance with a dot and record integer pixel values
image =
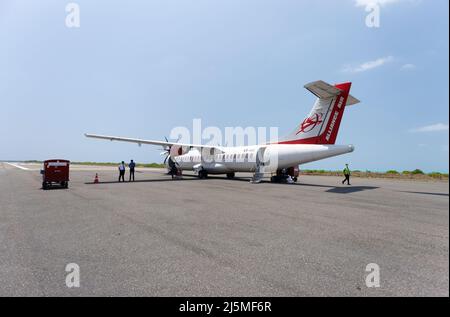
(295, 179)
(44, 186)
(230, 175)
(272, 179)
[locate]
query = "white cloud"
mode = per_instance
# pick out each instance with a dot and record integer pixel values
(369, 65)
(408, 67)
(438, 127)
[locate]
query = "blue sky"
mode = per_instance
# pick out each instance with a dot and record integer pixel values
(140, 68)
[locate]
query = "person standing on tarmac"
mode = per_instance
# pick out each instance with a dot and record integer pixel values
(347, 174)
(122, 171)
(132, 166)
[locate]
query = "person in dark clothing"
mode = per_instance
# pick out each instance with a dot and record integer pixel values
(122, 171)
(347, 175)
(132, 166)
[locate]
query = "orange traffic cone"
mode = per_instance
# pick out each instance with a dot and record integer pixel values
(96, 179)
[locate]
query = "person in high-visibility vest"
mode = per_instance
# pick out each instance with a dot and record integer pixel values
(347, 174)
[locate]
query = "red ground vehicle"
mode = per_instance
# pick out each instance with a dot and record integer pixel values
(55, 172)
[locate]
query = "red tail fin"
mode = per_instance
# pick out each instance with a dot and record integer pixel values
(322, 124)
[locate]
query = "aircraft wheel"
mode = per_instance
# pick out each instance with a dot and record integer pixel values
(230, 175)
(202, 174)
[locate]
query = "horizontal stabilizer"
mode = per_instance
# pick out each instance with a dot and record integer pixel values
(323, 90)
(352, 100)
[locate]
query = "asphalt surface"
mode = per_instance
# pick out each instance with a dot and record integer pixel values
(219, 237)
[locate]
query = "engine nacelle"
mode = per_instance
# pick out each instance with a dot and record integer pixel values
(177, 150)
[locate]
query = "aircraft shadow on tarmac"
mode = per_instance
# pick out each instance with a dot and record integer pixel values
(340, 190)
(426, 193)
(350, 189)
(331, 189)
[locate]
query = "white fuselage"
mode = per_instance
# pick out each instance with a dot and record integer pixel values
(272, 157)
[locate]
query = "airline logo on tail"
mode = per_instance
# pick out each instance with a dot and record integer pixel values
(310, 123)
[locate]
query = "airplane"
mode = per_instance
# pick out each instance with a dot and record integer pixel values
(314, 139)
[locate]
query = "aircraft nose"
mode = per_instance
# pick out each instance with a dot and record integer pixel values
(351, 148)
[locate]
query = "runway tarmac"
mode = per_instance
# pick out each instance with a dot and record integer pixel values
(219, 237)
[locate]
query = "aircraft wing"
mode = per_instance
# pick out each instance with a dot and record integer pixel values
(151, 142)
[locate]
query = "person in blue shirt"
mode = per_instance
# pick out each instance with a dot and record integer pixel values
(132, 166)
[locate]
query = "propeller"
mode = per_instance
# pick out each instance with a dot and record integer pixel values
(166, 151)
